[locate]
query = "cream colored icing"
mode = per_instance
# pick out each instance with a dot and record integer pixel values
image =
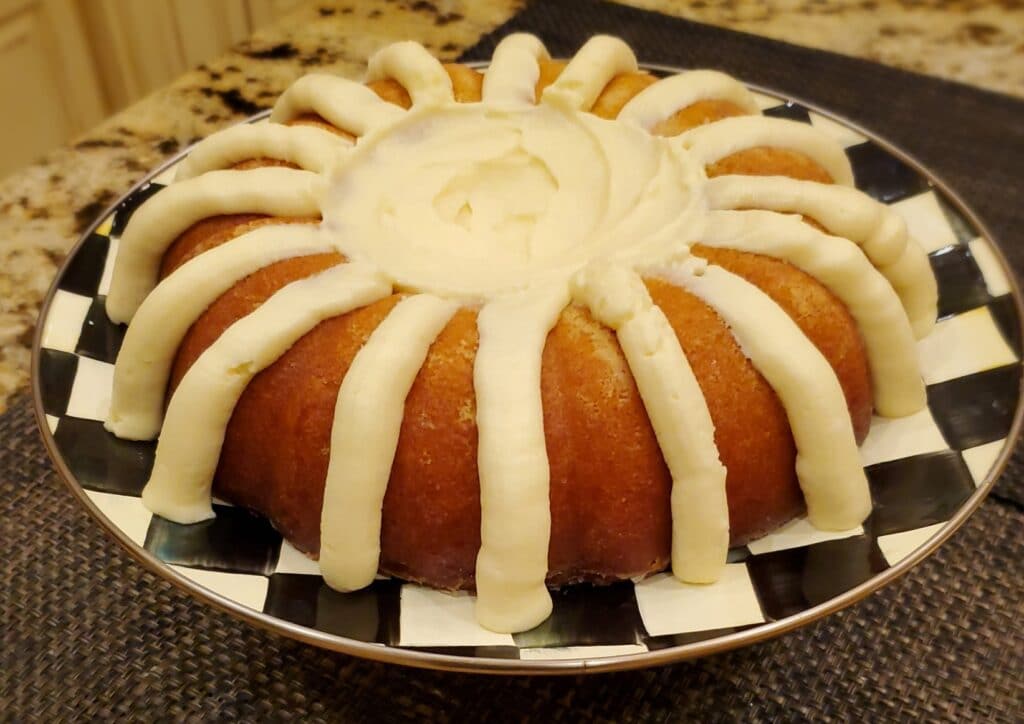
(678, 412)
(842, 210)
(851, 214)
(147, 353)
(513, 206)
(514, 70)
(581, 81)
(839, 265)
(412, 65)
(473, 201)
(367, 422)
(345, 104)
(714, 141)
(659, 101)
(308, 147)
(197, 416)
(828, 464)
(913, 279)
(515, 520)
(152, 228)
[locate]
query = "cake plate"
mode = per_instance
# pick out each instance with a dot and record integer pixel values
(927, 473)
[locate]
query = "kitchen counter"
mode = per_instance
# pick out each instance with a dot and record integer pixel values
(44, 207)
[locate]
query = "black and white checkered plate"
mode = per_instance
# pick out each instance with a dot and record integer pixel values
(927, 473)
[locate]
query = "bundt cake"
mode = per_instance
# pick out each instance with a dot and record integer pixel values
(549, 323)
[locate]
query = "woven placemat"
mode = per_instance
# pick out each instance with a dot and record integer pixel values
(89, 634)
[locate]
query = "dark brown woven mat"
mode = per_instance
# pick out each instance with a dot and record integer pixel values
(88, 634)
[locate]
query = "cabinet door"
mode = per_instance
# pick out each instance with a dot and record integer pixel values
(47, 79)
(65, 65)
(264, 12)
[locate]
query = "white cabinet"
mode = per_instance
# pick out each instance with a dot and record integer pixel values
(65, 65)
(48, 81)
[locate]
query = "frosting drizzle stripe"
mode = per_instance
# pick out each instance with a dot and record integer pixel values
(714, 141)
(515, 518)
(272, 191)
(660, 100)
(828, 464)
(840, 265)
(419, 72)
(853, 215)
(843, 211)
(364, 437)
(513, 72)
(347, 105)
(599, 60)
(152, 340)
(197, 417)
(679, 415)
(307, 147)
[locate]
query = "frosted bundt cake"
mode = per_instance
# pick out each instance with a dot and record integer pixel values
(549, 323)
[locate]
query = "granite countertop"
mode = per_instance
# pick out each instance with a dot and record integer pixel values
(44, 207)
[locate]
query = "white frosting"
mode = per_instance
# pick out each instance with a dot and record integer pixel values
(511, 205)
(158, 222)
(842, 210)
(472, 201)
(367, 422)
(595, 64)
(197, 417)
(514, 71)
(661, 100)
(714, 141)
(828, 464)
(842, 267)
(415, 69)
(678, 412)
(913, 279)
(347, 105)
(853, 215)
(308, 147)
(151, 342)
(515, 518)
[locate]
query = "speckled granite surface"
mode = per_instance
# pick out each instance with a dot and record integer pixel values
(44, 207)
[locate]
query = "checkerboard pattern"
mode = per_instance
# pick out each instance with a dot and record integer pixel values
(921, 468)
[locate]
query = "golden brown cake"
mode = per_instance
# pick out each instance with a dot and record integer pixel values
(693, 367)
